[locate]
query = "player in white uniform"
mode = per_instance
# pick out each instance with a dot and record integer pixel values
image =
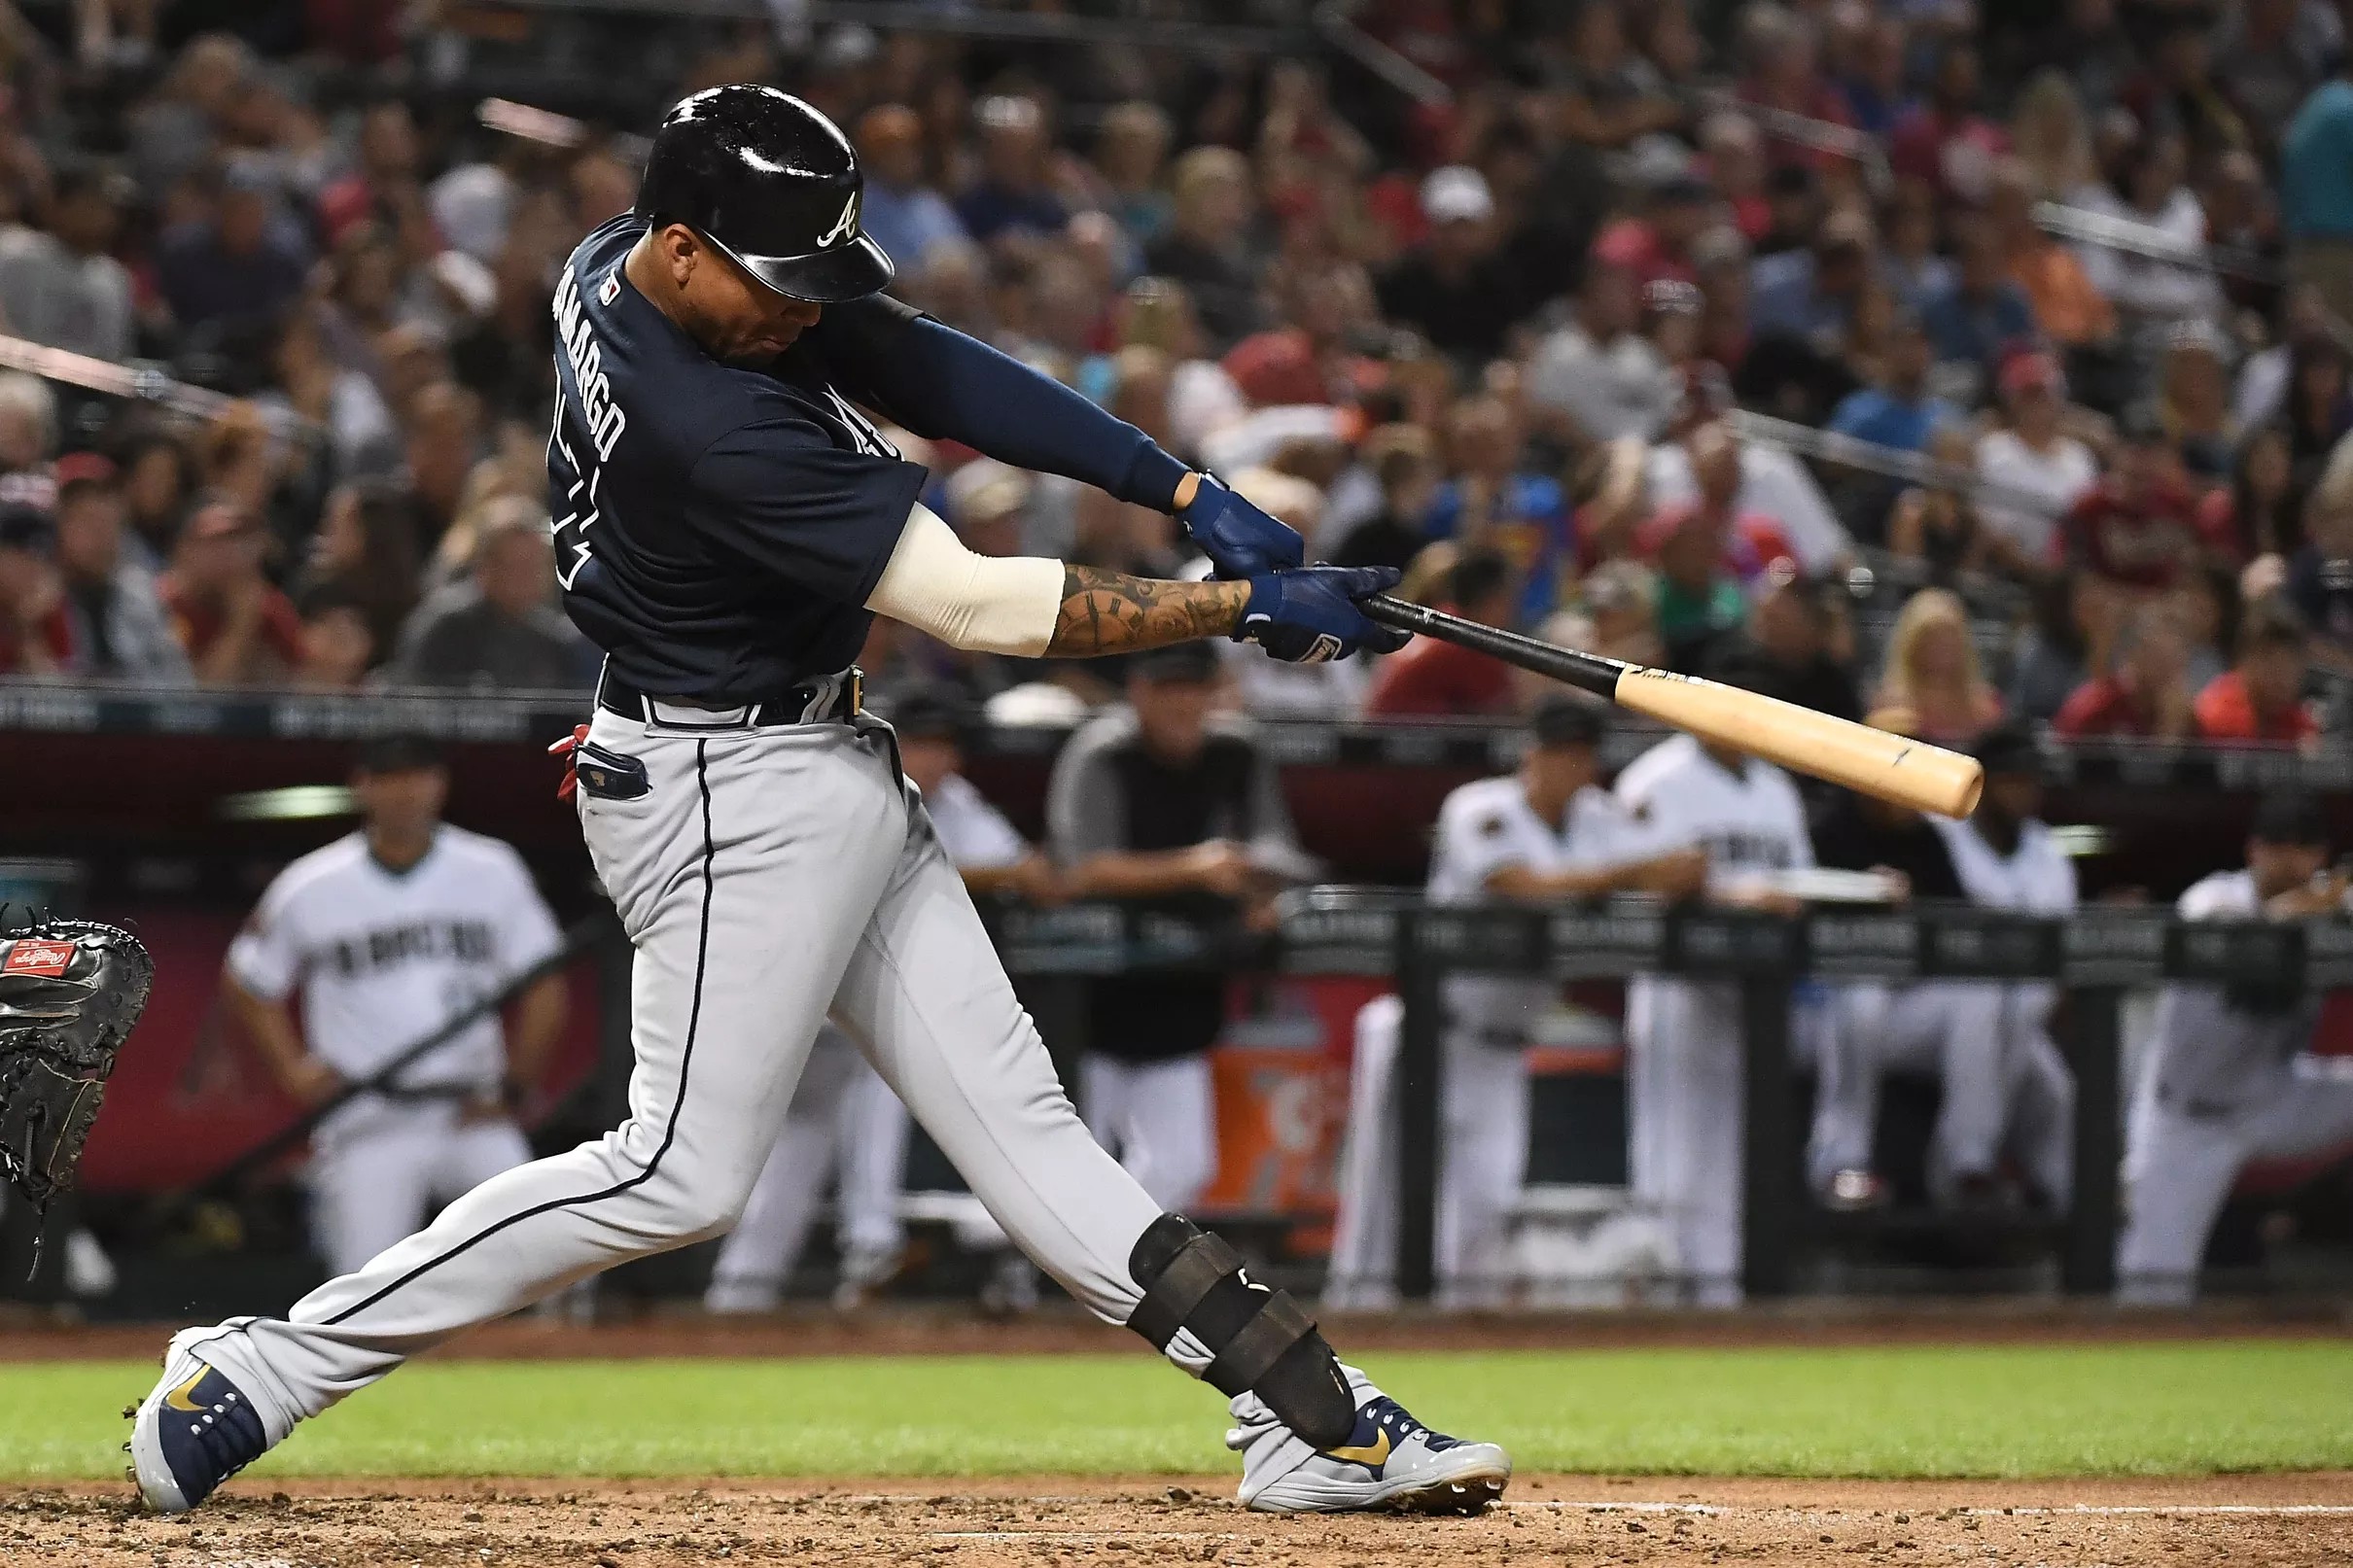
(1684, 1083)
(1988, 1040)
(842, 1114)
(1544, 833)
(2233, 1078)
(388, 934)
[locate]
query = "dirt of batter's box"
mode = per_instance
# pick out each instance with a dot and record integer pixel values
(2246, 1521)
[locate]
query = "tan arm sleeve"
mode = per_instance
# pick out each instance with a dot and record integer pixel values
(984, 603)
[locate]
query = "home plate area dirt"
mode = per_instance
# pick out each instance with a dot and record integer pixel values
(1554, 1519)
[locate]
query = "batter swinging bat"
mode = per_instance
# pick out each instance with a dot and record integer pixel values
(1893, 767)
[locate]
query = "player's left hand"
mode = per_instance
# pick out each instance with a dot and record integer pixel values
(1309, 617)
(1241, 539)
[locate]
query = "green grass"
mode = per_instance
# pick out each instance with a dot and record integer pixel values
(1912, 1410)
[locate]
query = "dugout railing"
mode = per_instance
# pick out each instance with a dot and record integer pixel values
(2093, 956)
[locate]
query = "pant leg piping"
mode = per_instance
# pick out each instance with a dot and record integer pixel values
(695, 1016)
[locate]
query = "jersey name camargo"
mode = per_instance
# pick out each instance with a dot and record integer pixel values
(384, 957)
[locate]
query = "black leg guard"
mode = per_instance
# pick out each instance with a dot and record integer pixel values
(1259, 1340)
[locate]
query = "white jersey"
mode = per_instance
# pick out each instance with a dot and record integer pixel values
(974, 833)
(2214, 1052)
(1486, 826)
(2034, 877)
(1751, 822)
(385, 958)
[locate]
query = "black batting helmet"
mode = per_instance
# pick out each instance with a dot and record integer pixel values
(772, 183)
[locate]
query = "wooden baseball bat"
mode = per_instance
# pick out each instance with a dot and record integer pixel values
(1893, 767)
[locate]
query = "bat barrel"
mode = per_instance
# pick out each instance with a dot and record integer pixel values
(1893, 767)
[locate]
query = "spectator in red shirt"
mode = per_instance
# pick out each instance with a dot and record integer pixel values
(2140, 530)
(1945, 140)
(2261, 698)
(237, 628)
(1431, 680)
(2145, 691)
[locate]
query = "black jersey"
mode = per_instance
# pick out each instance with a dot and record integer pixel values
(718, 528)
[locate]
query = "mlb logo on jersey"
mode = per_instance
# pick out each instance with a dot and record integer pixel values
(612, 288)
(28, 957)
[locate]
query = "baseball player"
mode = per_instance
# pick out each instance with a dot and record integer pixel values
(727, 521)
(1683, 1084)
(843, 1118)
(1986, 1040)
(2233, 1076)
(1544, 833)
(388, 934)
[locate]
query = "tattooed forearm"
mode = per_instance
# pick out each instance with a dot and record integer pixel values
(1111, 612)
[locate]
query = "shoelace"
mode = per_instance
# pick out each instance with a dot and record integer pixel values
(565, 749)
(231, 1423)
(1402, 1426)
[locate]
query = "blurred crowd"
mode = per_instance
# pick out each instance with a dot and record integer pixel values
(2074, 279)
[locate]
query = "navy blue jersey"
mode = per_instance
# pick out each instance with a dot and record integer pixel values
(718, 528)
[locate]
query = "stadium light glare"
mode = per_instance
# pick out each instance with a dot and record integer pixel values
(292, 804)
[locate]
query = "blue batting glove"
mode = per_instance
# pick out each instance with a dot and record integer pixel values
(1240, 539)
(1309, 617)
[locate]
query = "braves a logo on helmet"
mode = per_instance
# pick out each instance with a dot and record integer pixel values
(845, 228)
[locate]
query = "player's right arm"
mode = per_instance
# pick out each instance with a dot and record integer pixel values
(1104, 612)
(1030, 607)
(305, 1079)
(848, 525)
(263, 963)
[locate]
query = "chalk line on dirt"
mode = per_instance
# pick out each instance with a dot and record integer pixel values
(1726, 1511)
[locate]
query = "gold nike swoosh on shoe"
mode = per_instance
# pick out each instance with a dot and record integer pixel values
(177, 1399)
(1374, 1453)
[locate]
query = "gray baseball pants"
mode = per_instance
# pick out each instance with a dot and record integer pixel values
(766, 877)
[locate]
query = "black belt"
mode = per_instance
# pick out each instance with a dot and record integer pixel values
(833, 699)
(426, 1094)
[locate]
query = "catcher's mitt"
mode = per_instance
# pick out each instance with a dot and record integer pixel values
(70, 992)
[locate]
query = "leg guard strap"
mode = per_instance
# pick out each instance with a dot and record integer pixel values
(1259, 1341)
